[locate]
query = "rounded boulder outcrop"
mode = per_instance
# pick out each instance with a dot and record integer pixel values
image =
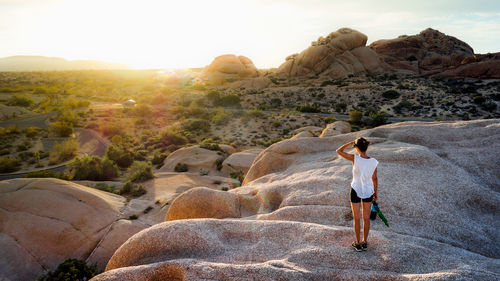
(229, 67)
(202, 202)
(195, 157)
(239, 161)
(341, 53)
(336, 128)
(43, 222)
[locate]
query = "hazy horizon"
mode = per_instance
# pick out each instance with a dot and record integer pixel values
(166, 34)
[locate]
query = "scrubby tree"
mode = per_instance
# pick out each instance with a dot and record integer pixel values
(63, 151)
(93, 168)
(61, 128)
(140, 171)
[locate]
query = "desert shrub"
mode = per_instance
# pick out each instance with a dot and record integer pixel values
(181, 168)
(198, 125)
(404, 104)
(218, 163)
(131, 189)
(143, 110)
(12, 130)
(105, 187)
(111, 129)
(220, 116)
(25, 145)
(210, 146)
(25, 155)
(159, 158)
(479, 99)
(133, 217)
(340, 107)
(489, 106)
(378, 119)
(172, 136)
(63, 151)
(93, 168)
(21, 100)
(61, 128)
(121, 156)
(329, 119)
(308, 108)
(224, 188)
(9, 164)
(256, 113)
(70, 269)
(239, 175)
(411, 58)
(140, 171)
(390, 94)
(4, 151)
(355, 116)
(73, 103)
(68, 117)
(48, 174)
(275, 102)
(31, 132)
(223, 100)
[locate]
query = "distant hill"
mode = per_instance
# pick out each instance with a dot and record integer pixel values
(34, 63)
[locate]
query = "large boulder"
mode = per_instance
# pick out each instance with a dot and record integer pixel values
(239, 161)
(195, 157)
(211, 249)
(336, 128)
(341, 53)
(46, 221)
(202, 202)
(229, 67)
(431, 49)
(479, 66)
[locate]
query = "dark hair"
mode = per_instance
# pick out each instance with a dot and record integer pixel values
(361, 143)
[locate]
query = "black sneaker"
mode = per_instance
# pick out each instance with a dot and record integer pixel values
(356, 247)
(364, 246)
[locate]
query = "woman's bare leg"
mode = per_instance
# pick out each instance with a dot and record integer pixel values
(356, 213)
(366, 219)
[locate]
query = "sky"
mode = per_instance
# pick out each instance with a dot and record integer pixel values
(189, 33)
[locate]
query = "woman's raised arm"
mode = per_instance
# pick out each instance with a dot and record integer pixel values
(348, 156)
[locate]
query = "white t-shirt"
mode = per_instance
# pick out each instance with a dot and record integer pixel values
(362, 172)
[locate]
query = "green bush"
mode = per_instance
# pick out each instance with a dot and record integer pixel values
(210, 146)
(218, 163)
(220, 116)
(133, 217)
(489, 106)
(25, 155)
(70, 269)
(355, 116)
(132, 189)
(48, 174)
(122, 157)
(308, 108)
(105, 187)
(68, 117)
(479, 99)
(23, 146)
(63, 151)
(4, 151)
(171, 136)
(140, 171)
(181, 168)
(390, 94)
(159, 158)
(378, 119)
(198, 125)
(111, 129)
(21, 100)
(9, 164)
(256, 113)
(93, 168)
(61, 128)
(404, 104)
(31, 132)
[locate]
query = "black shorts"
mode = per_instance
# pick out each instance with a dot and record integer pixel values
(356, 199)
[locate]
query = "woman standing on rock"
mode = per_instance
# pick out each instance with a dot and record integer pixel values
(363, 187)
